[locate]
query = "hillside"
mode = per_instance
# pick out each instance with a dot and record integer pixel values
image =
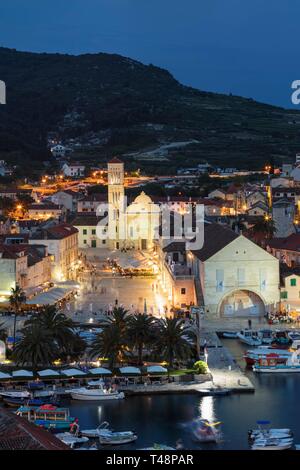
(111, 104)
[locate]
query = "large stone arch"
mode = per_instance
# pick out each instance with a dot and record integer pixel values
(241, 303)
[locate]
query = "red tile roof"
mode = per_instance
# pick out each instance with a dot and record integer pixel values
(17, 433)
(290, 243)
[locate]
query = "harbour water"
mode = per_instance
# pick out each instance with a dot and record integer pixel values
(164, 418)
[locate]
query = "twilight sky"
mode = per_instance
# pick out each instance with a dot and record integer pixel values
(247, 47)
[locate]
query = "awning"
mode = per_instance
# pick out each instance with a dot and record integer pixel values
(22, 373)
(130, 370)
(51, 297)
(3, 376)
(48, 373)
(100, 371)
(73, 372)
(156, 370)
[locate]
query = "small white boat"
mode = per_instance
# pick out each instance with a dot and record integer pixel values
(272, 444)
(266, 336)
(16, 394)
(249, 337)
(205, 431)
(270, 434)
(107, 437)
(229, 334)
(294, 335)
(95, 391)
(95, 432)
(70, 439)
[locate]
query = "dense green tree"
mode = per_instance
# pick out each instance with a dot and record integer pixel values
(140, 332)
(173, 340)
(36, 348)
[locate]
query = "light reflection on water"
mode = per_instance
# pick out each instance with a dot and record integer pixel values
(165, 418)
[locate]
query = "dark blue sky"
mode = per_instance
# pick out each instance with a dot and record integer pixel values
(247, 47)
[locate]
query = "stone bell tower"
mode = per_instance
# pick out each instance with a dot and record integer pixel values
(116, 211)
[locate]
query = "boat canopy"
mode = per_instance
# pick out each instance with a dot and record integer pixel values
(130, 370)
(73, 372)
(156, 370)
(263, 422)
(100, 371)
(3, 375)
(48, 373)
(22, 373)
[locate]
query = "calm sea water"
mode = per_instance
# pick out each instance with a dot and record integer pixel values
(164, 419)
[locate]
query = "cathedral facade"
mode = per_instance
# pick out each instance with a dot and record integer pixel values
(133, 226)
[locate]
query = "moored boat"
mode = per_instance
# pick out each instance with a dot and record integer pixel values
(229, 334)
(47, 416)
(266, 336)
(272, 444)
(249, 337)
(70, 439)
(270, 365)
(253, 355)
(95, 391)
(96, 431)
(107, 437)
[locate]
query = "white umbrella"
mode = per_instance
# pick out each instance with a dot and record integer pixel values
(100, 371)
(48, 373)
(72, 372)
(130, 370)
(156, 369)
(22, 373)
(4, 376)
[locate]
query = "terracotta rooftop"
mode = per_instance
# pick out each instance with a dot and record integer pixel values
(17, 433)
(290, 243)
(56, 232)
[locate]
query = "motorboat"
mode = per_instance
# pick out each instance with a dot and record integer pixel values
(17, 402)
(272, 444)
(254, 355)
(294, 335)
(264, 431)
(281, 339)
(108, 437)
(16, 394)
(266, 336)
(70, 439)
(229, 334)
(249, 337)
(95, 432)
(270, 365)
(205, 431)
(95, 391)
(47, 416)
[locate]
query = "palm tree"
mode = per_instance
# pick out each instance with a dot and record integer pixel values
(173, 340)
(140, 333)
(59, 327)
(35, 348)
(111, 343)
(17, 299)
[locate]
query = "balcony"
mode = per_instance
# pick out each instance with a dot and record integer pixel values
(179, 271)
